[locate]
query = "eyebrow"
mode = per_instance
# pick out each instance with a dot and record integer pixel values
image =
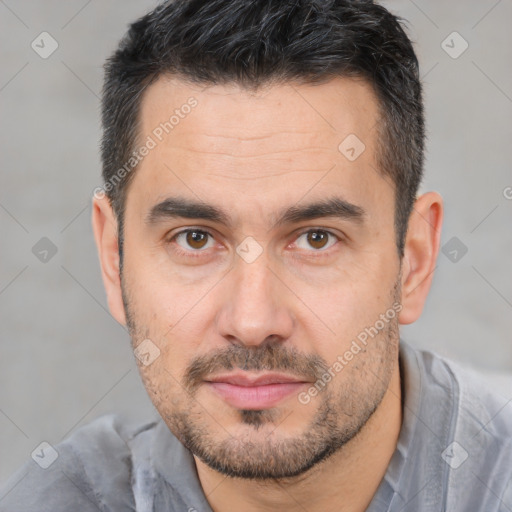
(181, 207)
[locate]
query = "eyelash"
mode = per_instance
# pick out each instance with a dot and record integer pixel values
(198, 253)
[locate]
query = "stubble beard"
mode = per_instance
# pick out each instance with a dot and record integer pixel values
(342, 411)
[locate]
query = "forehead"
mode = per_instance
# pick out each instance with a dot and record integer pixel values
(284, 141)
(325, 110)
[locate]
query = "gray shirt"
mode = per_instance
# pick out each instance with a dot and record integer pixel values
(454, 454)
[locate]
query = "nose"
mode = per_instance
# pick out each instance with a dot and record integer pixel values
(256, 305)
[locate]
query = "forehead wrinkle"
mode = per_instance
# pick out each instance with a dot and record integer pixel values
(232, 153)
(259, 177)
(253, 143)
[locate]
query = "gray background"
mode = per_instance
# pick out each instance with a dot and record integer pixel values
(65, 361)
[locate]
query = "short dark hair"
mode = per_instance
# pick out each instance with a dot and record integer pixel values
(259, 42)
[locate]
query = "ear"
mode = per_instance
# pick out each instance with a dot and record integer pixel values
(420, 254)
(104, 225)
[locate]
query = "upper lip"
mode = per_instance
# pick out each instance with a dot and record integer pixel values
(246, 379)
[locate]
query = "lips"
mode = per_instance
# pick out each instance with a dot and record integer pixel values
(246, 391)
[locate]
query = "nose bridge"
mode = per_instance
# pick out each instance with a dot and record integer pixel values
(255, 307)
(253, 284)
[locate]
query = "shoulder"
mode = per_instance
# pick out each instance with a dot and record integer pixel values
(482, 402)
(478, 443)
(88, 471)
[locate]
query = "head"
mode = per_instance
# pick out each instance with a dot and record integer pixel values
(261, 164)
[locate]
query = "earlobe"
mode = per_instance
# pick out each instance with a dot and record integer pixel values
(420, 254)
(104, 226)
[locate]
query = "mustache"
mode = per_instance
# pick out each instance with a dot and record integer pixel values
(269, 357)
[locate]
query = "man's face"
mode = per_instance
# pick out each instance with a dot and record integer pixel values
(248, 312)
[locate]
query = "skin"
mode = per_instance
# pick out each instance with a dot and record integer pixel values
(253, 154)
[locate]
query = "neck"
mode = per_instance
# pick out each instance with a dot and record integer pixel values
(346, 481)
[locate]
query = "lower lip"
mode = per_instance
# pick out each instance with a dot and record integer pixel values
(255, 397)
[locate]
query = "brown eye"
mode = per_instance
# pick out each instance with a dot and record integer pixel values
(192, 239)
(196, 239)
(317, 239)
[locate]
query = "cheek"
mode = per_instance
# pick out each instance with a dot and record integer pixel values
(156, 303)
(352, 300)
(162, 386)
(166, 294)
(174, 318)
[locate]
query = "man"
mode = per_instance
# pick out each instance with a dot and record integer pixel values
(260, 234)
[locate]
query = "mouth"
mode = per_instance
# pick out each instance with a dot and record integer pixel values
(254, 392)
